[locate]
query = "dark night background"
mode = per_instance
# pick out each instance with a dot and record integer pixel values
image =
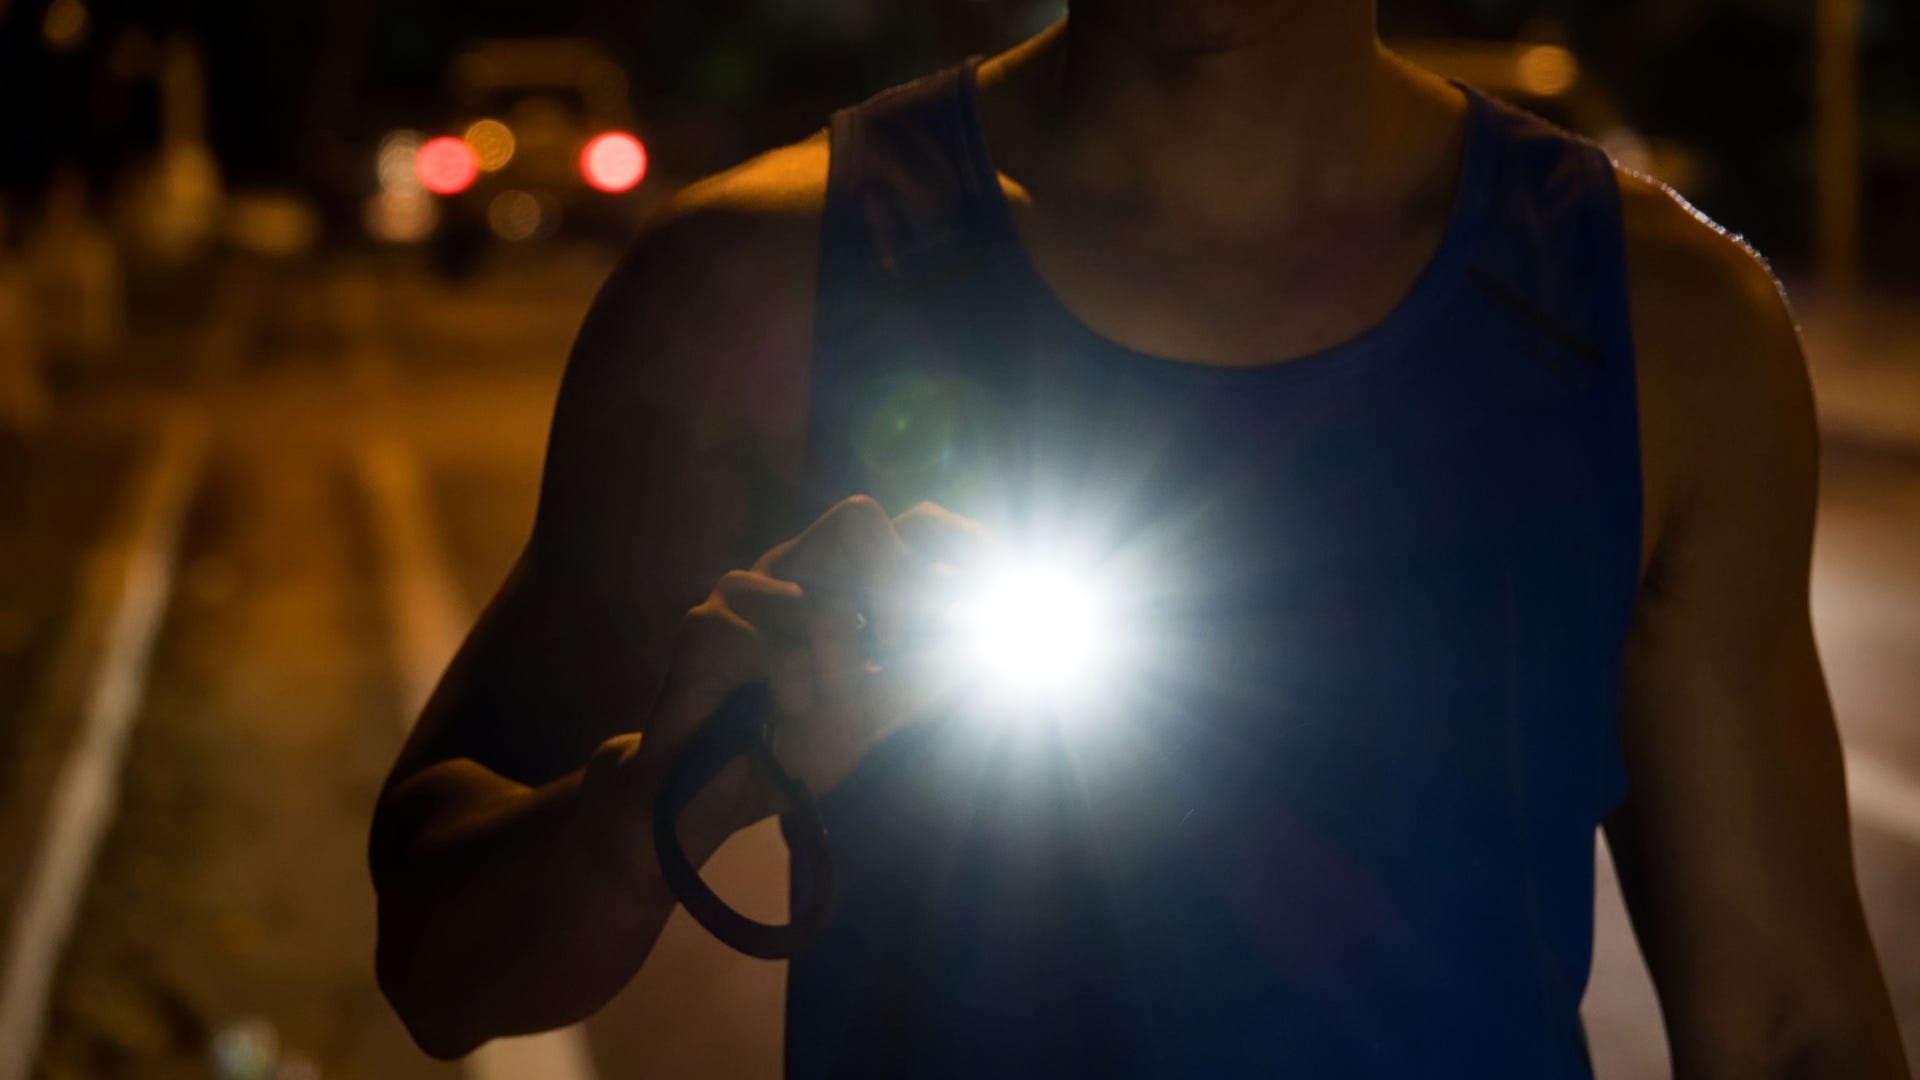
(295, 86)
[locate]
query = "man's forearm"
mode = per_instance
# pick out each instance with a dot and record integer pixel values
(506, 909)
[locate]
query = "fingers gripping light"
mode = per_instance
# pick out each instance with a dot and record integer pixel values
(1034, 631)
(1037, 637)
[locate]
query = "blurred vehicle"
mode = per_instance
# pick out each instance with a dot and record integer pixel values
(541, 142)
(1551, 82)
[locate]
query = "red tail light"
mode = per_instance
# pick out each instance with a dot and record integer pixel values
(613, 162)
(446, 165)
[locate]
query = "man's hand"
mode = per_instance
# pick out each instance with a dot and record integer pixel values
(802, 619)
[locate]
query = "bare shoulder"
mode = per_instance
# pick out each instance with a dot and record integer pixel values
(1682, 266)
(734, 246)
(747, 223)
(1724, 393)
(710, 311)
(726, 258)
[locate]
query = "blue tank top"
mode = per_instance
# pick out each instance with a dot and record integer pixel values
(1350, 832)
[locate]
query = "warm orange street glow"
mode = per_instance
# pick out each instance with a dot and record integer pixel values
(613, 162)
(446, 165)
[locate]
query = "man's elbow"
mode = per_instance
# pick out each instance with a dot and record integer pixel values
(431, 1016)
(428, 1012)
(1804, 1035)
(1835, 1042)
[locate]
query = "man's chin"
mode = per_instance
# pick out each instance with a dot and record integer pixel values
(1187, 29)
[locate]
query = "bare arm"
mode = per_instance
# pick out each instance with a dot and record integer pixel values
(517, 884)
(1733, 843)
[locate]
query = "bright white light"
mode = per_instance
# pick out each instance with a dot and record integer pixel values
(1035, 631)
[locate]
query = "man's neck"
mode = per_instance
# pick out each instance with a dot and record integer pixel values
(1311, 116)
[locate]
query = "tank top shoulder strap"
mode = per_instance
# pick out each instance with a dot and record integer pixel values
(902, 201)
(1555, 253)
(907, 294)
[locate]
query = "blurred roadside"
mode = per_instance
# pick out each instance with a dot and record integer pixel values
(1863, 352)
(229, 909)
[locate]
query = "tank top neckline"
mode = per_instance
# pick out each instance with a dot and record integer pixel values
(1436, 282)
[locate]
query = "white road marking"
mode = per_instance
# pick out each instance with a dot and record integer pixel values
(428, 621)
(86, 792)
(1883, 797)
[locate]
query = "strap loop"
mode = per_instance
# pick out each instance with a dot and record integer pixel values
(742, 727)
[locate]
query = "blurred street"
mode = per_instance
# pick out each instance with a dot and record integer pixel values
(318, 483)
(348, 515)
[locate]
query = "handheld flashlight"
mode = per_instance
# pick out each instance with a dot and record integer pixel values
(1034, 635)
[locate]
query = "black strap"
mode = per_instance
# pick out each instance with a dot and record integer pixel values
(741, 727)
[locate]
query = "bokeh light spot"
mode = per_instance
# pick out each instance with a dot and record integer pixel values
(1548, 70)
(492, 143)
(401, 217)
(446, 165)
(516, 215)
(393, 163)
(65, 24)
(613, 162)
